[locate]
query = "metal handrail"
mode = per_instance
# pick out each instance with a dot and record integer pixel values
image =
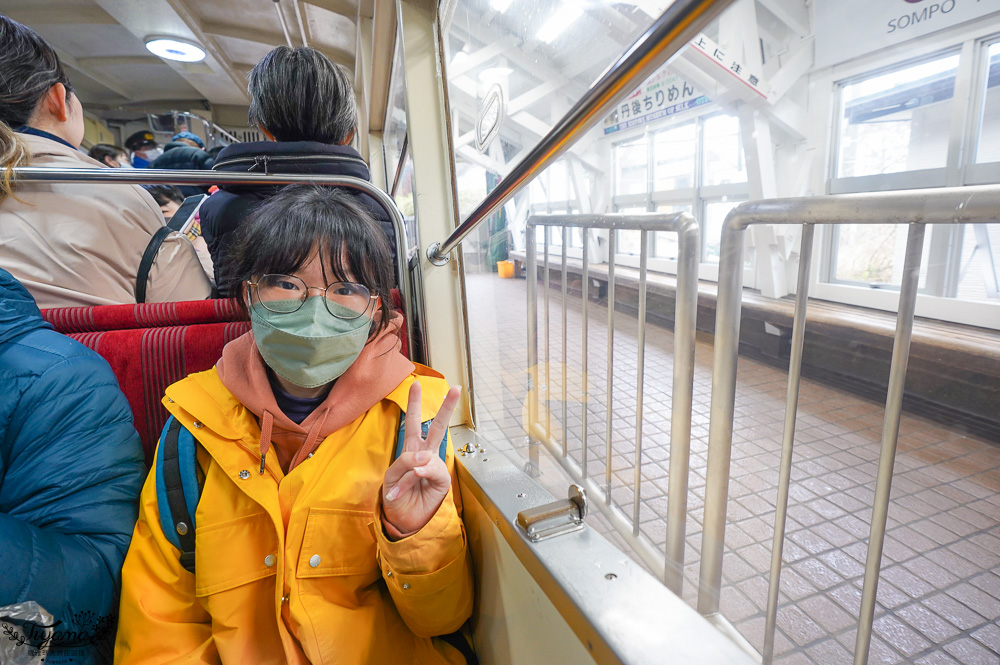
(915, 208)
(414, 321)
(664, 38)
(685, 315)
(212, 126)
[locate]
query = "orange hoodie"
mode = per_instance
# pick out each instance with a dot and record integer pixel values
(375, 374)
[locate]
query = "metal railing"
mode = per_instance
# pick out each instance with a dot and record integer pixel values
(409, 278)
(916, 208)
(211, 128)
(685, 314)
(664, 38)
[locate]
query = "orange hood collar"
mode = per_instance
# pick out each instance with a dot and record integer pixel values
(377, 372)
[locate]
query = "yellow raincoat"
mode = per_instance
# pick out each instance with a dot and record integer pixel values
(296, 568)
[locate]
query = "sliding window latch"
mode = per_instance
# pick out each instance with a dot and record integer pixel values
(556, 518)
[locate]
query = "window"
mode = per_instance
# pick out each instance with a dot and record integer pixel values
(988, 143)
(901, 128)
(696, 167)
(897, 121)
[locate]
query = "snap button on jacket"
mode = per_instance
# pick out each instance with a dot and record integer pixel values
(295, 568)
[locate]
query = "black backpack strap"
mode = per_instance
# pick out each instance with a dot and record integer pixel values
(146, 264)
(458, 641)
(174, 489)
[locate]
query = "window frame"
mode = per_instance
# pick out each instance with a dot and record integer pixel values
(965, 125)
(696, 197)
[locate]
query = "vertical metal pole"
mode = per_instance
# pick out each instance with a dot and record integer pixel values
(611, 365)
(640, 361)
(685, 319)
(890, 434)
(720, 433)
(565, 305)
(534, 376)
(548, 377)
(585, 379)
(788, 439)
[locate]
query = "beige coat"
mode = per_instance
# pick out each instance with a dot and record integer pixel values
(81, 244)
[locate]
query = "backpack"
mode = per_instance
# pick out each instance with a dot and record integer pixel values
(178, 489)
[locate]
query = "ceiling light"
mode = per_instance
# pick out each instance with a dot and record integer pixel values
(559, 21)
(172, 48)
(500, 5)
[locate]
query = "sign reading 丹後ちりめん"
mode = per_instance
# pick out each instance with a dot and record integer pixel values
(873, 25)
(662, 95)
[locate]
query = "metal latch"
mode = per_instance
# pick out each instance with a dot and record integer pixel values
(556, 518)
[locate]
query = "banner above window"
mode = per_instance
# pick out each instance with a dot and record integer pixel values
(876, 25)
(664, 94)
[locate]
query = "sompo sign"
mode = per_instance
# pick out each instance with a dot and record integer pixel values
(925, 14)
(876, 25)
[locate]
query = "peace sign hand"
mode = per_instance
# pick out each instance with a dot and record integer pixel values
(417, 482)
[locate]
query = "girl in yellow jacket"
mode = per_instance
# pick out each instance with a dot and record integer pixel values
(312, 545)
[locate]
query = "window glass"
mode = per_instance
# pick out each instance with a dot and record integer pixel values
(723, 151)
(630, 167)
(559, 182)
(665, 243)
(629, 242)
(395, 122)
(874, 254)
(979, 264)
(988, 149)
(673, 158)
(897, 121)
(715, 215)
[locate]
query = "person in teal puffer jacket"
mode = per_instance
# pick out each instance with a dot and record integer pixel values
(71, 467)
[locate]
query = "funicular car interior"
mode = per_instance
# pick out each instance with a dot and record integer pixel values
(513, 131)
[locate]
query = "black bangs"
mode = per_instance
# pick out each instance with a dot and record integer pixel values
(281, 235)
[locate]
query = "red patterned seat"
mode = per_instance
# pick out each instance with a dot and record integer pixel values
(152, 345)
(68, 320)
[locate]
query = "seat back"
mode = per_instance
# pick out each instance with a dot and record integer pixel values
(150, 346)
(153, 345)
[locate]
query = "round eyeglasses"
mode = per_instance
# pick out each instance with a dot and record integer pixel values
(284, 294)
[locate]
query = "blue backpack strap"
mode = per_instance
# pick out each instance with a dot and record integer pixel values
(177, 488)
(424, 426)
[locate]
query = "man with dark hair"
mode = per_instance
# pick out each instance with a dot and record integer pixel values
(110, 155)
(76, 244)
(304, 104)
(185, 153)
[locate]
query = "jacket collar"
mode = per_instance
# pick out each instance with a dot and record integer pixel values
(19, 314)
(292, 157)
(32, 131)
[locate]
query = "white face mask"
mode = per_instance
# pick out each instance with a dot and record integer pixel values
(150, 154)
(125, 164)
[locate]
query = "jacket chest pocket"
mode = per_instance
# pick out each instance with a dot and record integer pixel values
(232, 553)
(338, 543)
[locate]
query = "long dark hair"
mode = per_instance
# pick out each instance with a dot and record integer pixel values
(299, 95)
(30, 69)
(280, 236)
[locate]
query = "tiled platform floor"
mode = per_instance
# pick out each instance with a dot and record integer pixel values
(939, 595)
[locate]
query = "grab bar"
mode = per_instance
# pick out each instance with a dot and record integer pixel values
(414, 315)
(668, 35)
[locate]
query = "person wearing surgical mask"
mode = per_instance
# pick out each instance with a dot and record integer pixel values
(144, 148)
(110, 155)
(329, 486)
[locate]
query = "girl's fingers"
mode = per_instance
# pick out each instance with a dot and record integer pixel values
(412, 439)
(440, 423)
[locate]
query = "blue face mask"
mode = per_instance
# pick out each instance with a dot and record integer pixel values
(309, 347)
